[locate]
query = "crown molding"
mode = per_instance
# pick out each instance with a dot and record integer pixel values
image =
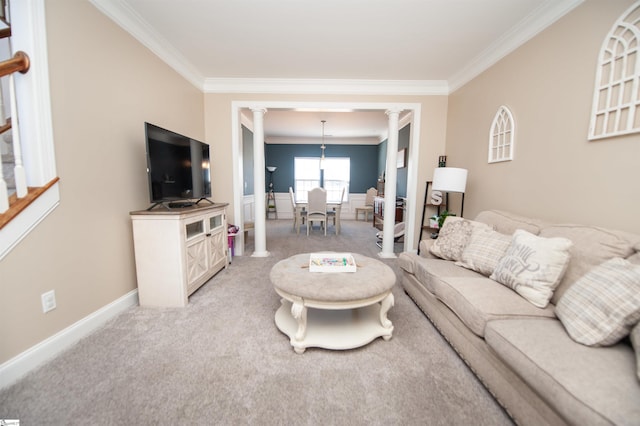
(326, 86)
(525, 30)
(288, 140)
(129, 20)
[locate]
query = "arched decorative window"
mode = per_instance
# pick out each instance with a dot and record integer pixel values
(502, 136)
(616, 98)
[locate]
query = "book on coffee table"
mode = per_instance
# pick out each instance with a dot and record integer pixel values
(332, 262)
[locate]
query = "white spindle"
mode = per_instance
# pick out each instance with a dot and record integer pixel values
(4, 195)
(4, 192)
(19, 172)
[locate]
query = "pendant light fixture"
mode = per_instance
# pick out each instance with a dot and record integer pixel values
(322, 147)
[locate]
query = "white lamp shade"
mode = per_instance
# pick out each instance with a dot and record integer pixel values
(449, 179)
(271, 168)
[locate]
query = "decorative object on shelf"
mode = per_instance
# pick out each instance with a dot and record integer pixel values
(439, 219)
(450, 179)
(400, 162)
(442, 161)
(322, 147)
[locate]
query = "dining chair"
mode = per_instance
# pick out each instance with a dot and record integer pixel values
(298, 212)
(317, 208)
(372, 193)
(334, 212)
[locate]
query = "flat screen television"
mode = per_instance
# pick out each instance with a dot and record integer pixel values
(178, 168)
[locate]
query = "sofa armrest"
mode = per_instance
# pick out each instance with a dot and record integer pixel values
(425, 245)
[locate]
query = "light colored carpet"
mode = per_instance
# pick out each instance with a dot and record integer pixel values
(221, 360)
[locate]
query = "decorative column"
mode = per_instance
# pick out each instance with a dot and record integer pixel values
(260, 230)
(391, 175)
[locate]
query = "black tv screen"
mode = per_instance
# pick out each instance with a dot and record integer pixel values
(177, 166)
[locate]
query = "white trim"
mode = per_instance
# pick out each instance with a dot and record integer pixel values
(20, 226)
(318, 86)
(525, 30)
(18, 366)
(127, 18)
(29, 35)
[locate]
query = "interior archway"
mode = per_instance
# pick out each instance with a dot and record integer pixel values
(414, 115)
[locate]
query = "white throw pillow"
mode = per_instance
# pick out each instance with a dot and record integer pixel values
(453, 237)
(601, 307)
(533, 266)
(485, 249)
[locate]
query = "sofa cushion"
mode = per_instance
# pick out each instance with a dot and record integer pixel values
(591, 247)
(427, 271)
(635, 342)
(476, 300)
(508, 223)
(601, 307)
(533, 266)
(405, 261)
(585, 385)
(453, 237)
(485, 249)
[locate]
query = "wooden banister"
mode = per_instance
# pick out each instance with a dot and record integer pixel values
(16, 205)
(20, 63)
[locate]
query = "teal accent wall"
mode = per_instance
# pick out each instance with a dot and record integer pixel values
(404, 137)
(364, 161)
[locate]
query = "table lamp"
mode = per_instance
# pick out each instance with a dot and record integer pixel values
(450, 179)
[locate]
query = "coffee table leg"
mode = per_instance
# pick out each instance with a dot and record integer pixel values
(386, 304)
(299, 312)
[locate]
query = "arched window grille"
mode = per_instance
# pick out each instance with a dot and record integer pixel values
(616, 98)
(502, 136)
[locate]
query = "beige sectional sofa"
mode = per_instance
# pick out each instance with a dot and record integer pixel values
(523, 352)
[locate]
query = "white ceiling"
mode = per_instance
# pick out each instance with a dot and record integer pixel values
(332, 46)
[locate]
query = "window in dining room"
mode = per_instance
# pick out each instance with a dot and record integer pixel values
(307, 176)
(334, 177)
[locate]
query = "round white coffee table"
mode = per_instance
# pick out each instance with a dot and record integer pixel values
(348, 309)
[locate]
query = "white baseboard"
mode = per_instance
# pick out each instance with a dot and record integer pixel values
(18, 366)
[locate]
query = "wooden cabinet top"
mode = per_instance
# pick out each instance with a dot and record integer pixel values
(164, 211)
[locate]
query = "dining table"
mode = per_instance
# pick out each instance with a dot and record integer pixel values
(333, 208)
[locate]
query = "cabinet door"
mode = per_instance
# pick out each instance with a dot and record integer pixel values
(196, 250)
(217, 250)
(217, 241)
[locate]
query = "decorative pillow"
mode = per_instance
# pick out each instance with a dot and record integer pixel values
(635, 342)
(453, 237)
(603, 305)
(533, 266)
(485, 249)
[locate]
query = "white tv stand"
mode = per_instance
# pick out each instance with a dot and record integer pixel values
(177, 251)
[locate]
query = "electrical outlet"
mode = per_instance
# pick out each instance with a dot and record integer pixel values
(48, 301)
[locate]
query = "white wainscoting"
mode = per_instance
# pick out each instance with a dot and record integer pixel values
(348, 212)
(248, 206)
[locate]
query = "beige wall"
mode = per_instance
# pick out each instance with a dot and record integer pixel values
(218, 130)
(557, 174)
(104, 85)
